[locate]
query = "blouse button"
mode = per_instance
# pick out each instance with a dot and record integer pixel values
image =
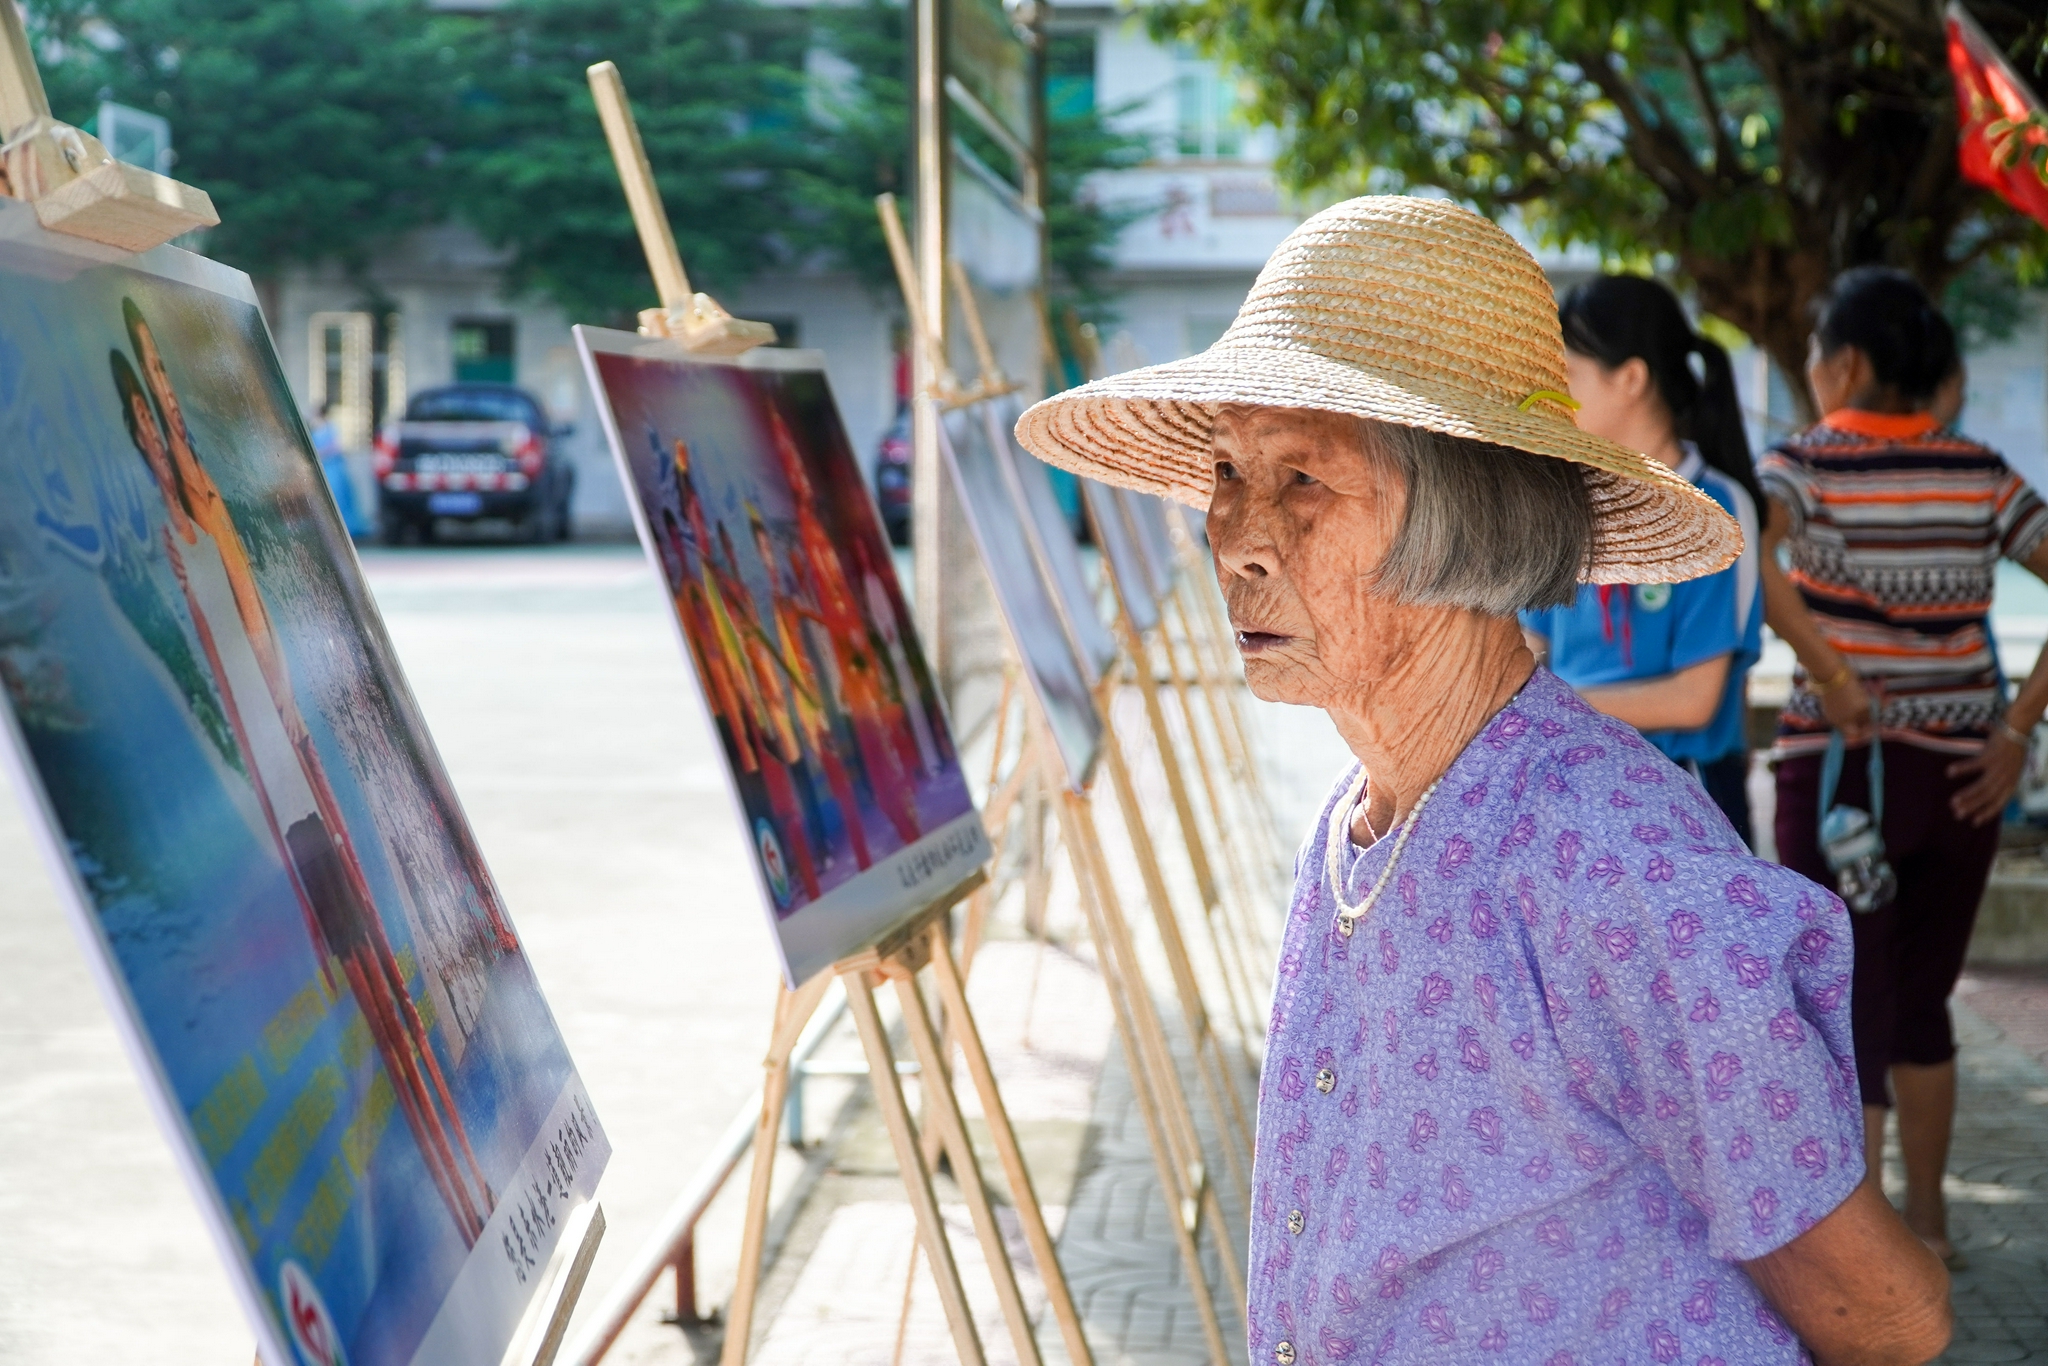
(1284, 1353)
(1326, 1080)
(1296, 1222)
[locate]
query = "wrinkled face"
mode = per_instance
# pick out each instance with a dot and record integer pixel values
(1301, 517)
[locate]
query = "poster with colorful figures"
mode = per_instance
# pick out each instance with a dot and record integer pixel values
(841, 760)
(263, 857)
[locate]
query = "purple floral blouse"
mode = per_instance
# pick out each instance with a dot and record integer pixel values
(1585, 1054)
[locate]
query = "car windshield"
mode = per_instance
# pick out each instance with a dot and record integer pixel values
(470, 405)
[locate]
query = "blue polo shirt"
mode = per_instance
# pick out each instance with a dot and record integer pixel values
(1619, 633)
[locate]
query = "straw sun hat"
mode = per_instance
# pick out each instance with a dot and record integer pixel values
(1402, 310)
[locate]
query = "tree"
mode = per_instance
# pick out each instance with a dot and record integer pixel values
(1760, 146)
(319, 127)
(718, 92)
(325, 128)
(861, 109)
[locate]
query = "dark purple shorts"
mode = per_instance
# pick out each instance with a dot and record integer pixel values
(1908, 954)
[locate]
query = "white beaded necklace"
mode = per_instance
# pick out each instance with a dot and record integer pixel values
(1348, 916)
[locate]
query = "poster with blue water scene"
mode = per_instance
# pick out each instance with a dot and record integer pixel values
(266, 863)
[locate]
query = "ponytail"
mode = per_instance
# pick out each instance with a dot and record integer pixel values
(1618, 318)
(1715, 422)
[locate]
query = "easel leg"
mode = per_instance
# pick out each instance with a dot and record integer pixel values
(1164, 1074)
(1227, 963)
(1073, 816)
(1009, 1153)
(917, 1182)
(1233, 1131)
(739, 1321)
(952, 1127)
(1230, 962)
(578, 1249)
(793, 1010)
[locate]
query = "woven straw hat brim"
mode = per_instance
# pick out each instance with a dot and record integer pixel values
(1149, 429)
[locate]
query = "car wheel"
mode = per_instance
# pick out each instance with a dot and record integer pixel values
(533, 528)
(424, 529)
(565, 525)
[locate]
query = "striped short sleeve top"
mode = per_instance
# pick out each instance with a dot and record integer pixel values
(1898, 525)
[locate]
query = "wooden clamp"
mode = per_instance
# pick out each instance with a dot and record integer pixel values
(945, 388)
(992, 383)
(74, 183)
(695, 320)
(947, 391)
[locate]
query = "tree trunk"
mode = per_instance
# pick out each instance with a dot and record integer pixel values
(1771, 298)
(1878, 185)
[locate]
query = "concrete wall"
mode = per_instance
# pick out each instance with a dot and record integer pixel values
(1163, 316)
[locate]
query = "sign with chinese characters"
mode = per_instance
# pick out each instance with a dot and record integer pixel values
(263, 857)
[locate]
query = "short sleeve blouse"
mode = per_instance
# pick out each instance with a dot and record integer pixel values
(1584, 1056)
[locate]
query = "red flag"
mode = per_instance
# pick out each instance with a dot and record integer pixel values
(2002, 124)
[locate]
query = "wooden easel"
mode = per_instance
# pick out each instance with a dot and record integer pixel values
(924, 941)
(67, 174)
(1240, 943)
(1155, 1078)
(698, 324)
(79, 190)
(1184, 1172)
(1222, 1088)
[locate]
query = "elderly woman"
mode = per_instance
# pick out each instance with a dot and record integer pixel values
(1558, 1073)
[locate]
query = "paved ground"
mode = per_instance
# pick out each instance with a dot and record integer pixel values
(1998, 1171)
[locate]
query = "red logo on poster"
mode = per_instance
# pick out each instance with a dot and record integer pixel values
(772, 860)
(307, 1319)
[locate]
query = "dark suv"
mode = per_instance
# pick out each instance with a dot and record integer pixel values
(469, 452)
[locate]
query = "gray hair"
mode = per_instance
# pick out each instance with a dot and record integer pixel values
(1487, 527)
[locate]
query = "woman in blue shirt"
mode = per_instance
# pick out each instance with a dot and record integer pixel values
(1670, 659)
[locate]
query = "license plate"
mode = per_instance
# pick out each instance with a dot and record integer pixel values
(455, 504)
(449, 462)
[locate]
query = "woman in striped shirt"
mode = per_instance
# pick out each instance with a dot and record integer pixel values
(1894, 526)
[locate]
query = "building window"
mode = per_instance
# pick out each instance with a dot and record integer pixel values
(483, 352)
(1205, 104)
(1070, 74)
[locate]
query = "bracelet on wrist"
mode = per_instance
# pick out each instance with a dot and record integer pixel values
(2013, 733)
(1820, 687)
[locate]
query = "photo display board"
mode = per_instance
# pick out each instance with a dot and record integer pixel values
(987, 484)
(274, 883)
(842, 763)
(1118, 541)
(1155, 545)
(1052, 536)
